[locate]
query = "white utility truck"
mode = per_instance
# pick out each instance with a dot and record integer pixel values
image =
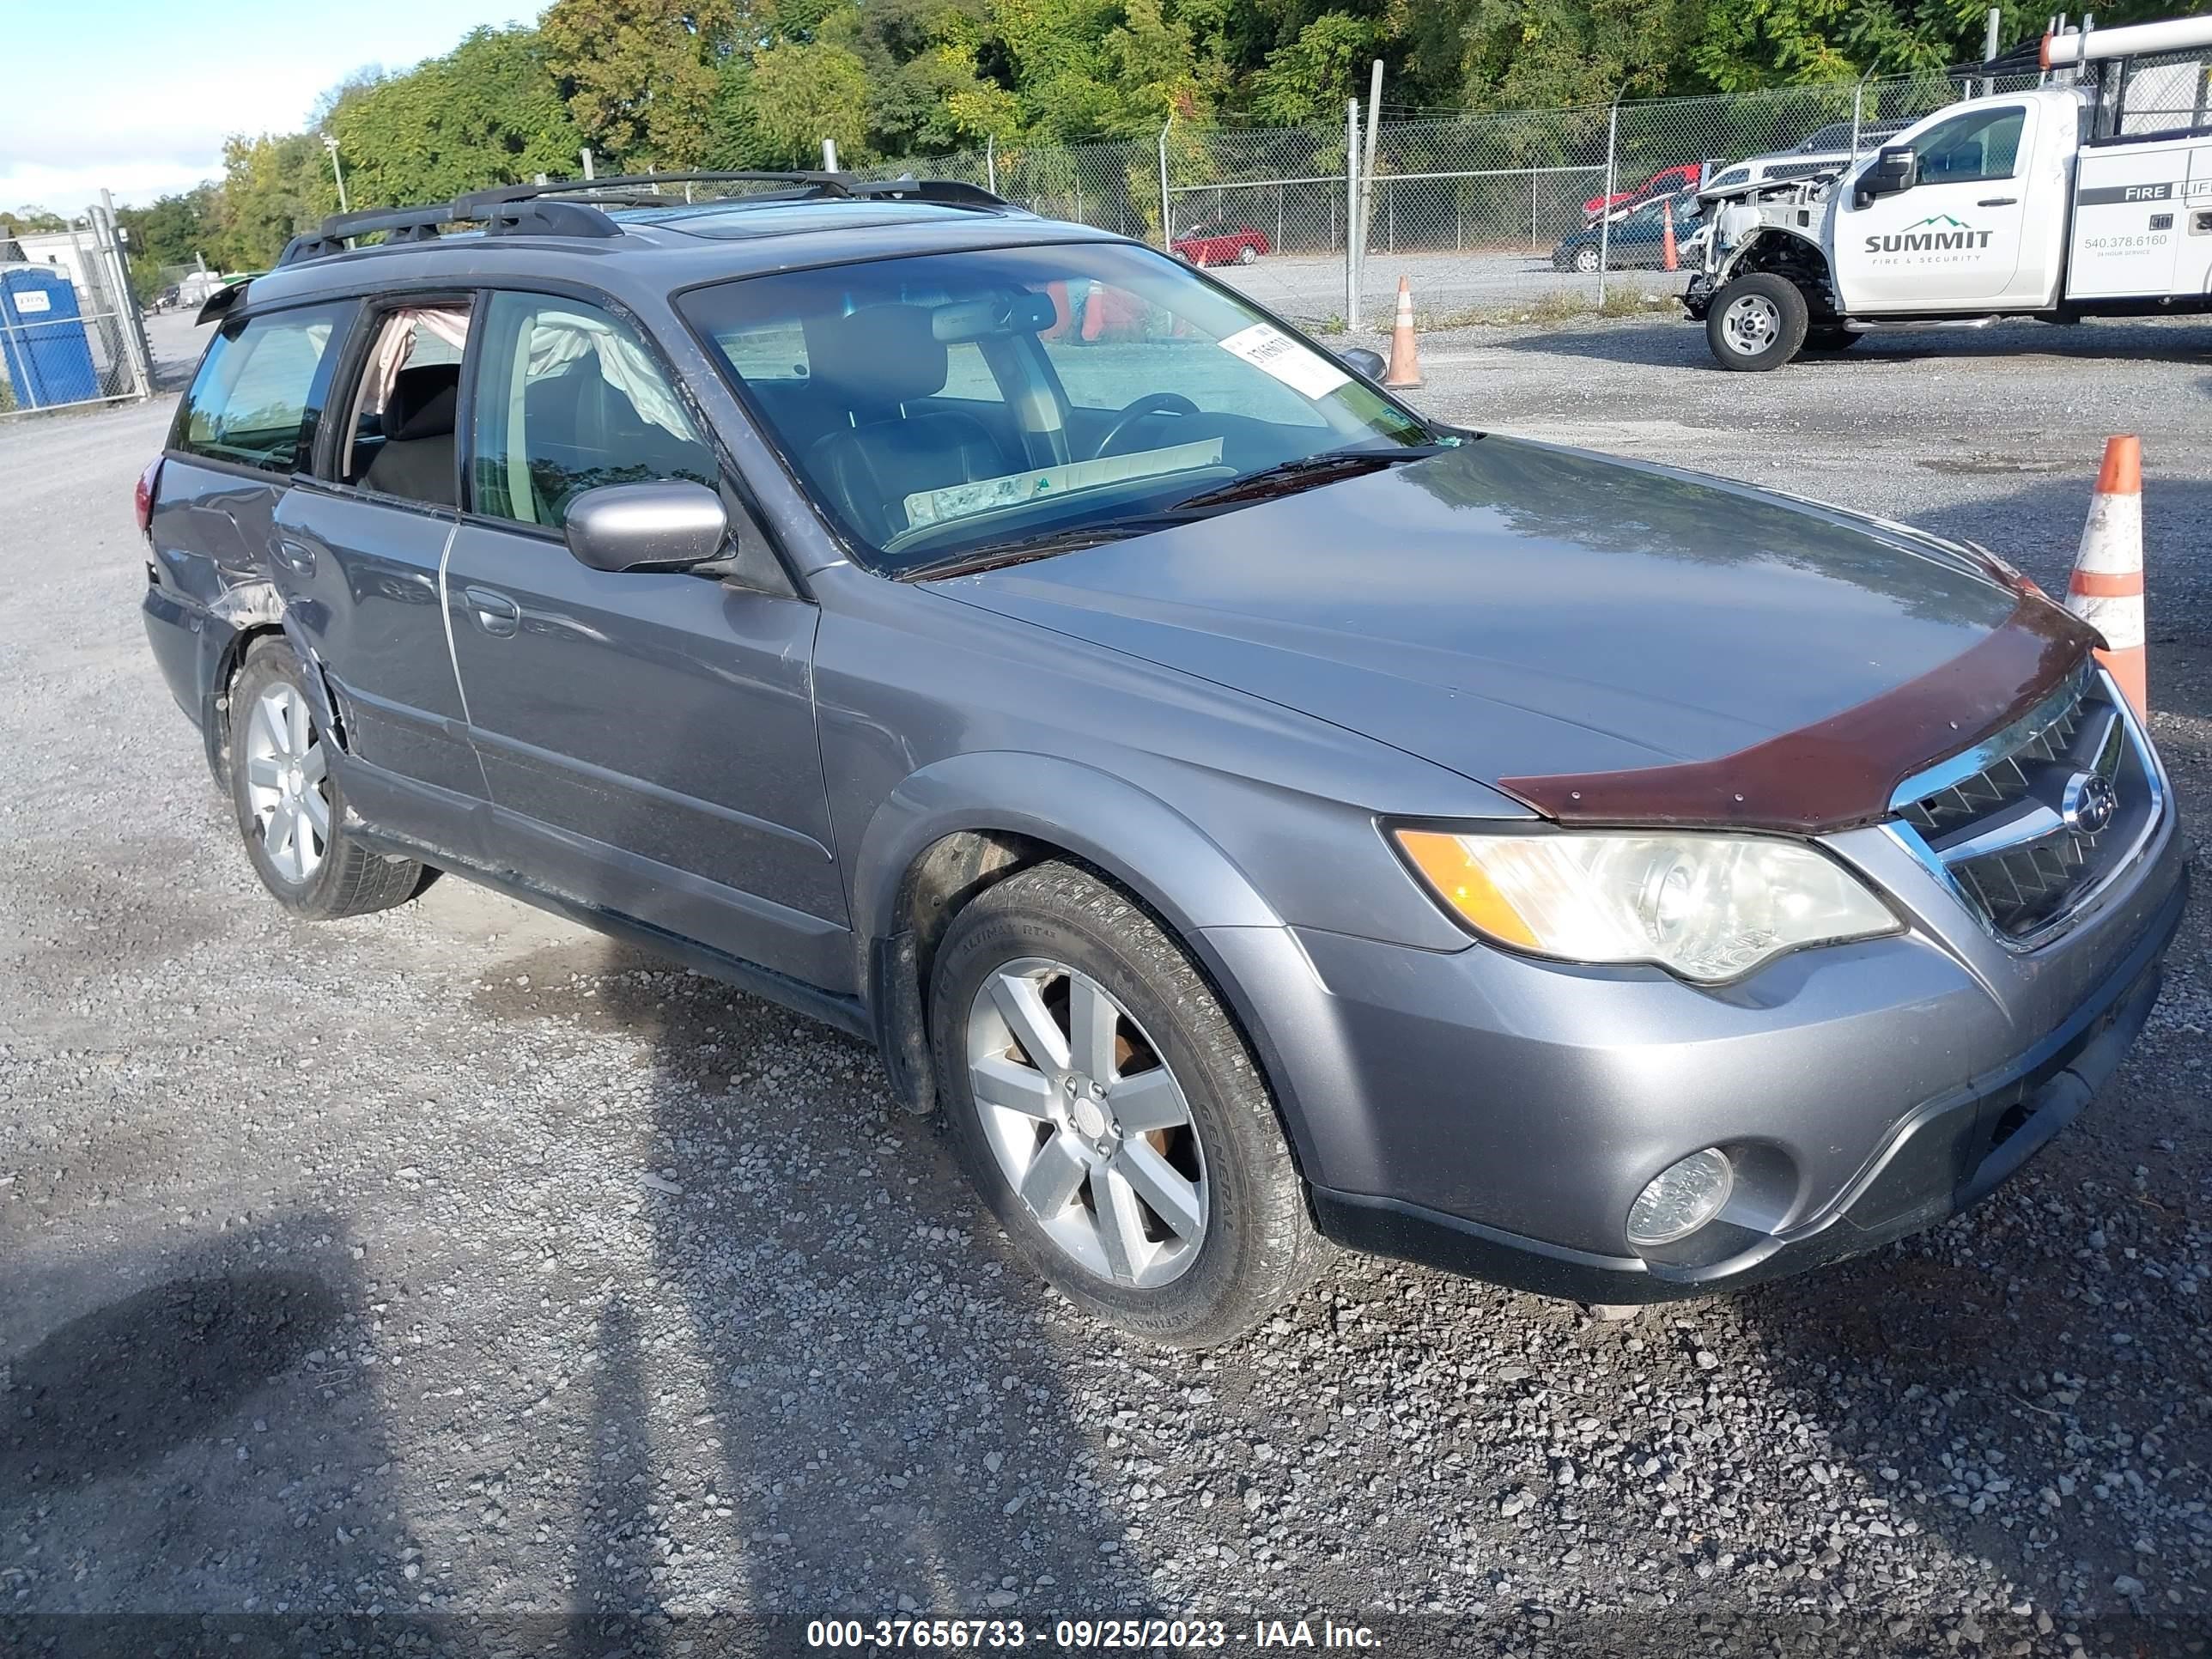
(2089, 194)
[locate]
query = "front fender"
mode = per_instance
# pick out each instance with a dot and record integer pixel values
(1774, 248)
(1134, 836)
(1241, 944)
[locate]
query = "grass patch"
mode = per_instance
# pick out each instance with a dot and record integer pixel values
(1560, 306)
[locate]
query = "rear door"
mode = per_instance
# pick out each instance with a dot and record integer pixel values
(358, 551)
(647, 736)
(245, 427)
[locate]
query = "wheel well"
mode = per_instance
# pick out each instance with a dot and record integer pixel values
(1796, 258)
(944, 878)
(225, 676)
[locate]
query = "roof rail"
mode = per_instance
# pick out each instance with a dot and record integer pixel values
(572, 207)
(619, 187)
(423, 224)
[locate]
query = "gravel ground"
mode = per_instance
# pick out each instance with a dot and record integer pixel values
(1309, 288)
(453, 1277)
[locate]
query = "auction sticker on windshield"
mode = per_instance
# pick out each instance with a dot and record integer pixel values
(1297, 366)
(928, 507)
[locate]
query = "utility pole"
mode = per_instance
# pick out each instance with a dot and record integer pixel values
(1989, 47)
(1351, 209)
(586, 154)
(1367, 167)
(1167, 209)
(337, 171)
(829, 156)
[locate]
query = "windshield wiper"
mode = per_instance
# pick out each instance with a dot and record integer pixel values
(1021, 549)
(1307, 472)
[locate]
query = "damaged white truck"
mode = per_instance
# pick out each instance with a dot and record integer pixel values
(2089, 194)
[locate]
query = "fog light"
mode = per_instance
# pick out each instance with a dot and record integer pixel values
(1682, 1199)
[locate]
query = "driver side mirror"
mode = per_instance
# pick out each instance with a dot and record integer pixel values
(671, 524)
(1360, 361)
(1892, 172)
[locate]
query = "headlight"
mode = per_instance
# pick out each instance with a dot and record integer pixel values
(1706, 906)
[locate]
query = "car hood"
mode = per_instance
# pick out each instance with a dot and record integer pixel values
(1508, 610)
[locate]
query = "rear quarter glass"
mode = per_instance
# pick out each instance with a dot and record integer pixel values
(259, 391)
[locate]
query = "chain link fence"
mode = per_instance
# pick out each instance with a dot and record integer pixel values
(70, 332)
(1484, 213)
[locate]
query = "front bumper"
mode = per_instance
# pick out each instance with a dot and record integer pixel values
(1950, 1153)
(1495, 1115)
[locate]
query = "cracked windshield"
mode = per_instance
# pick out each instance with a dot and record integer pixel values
(953, 408)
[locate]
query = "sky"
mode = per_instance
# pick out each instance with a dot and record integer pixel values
(136, 96)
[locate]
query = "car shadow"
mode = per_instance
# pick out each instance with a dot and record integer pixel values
(890, 1425)
(1675, 340)
(158, 1401)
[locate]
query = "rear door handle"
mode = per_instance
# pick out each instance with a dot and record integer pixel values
(1999, 201)
(495, 613)
(295, 556)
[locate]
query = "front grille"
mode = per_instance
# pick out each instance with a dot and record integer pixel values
(2018, 835)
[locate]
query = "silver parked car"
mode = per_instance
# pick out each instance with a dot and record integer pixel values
(1246, 811)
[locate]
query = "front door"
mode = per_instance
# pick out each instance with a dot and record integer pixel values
(1951, 241)
(648, 737)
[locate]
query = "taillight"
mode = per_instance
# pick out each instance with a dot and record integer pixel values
(148, 481)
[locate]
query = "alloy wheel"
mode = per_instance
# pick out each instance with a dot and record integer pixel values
(1087, 1122)
(287, 783)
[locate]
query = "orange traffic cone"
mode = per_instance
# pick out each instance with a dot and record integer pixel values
(1405, 370)
(1670, 258)
(2106, 591)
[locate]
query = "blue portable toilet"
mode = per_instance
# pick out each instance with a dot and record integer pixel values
(43, 344)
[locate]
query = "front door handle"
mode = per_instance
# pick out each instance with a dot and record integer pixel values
(1999, 201)
(295, 556)
(495, 613)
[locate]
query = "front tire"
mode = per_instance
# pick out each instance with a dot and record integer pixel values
(1110, 1115)
(1756, 322)
(1247, 254)
(1586, 260)
(289, 808)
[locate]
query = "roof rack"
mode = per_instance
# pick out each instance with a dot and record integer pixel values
(573, 207)
(802, 186)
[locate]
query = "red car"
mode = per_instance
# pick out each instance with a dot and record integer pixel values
(1663, 183)
(1218, 242)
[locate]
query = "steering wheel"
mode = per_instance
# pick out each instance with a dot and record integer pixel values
(1152, 403)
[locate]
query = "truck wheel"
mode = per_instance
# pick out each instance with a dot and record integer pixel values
(1756, 322)
(1832, 339)
(1109, 1112)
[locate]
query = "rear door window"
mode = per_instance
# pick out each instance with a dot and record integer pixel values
(400, 436)
(259, 390)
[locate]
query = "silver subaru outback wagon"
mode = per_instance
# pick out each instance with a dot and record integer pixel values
(1247, 813)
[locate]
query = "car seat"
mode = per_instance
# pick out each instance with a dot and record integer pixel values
(417, 459)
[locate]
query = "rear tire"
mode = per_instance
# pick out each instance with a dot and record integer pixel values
(1135, 1162)
(1756, 322)
(1247, 254)
(289, 808)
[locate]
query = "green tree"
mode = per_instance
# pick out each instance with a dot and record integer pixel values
(273, 187)
(488, 112)
(643, 77)
(30, 219)
(1310, 78)
(803, 92)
